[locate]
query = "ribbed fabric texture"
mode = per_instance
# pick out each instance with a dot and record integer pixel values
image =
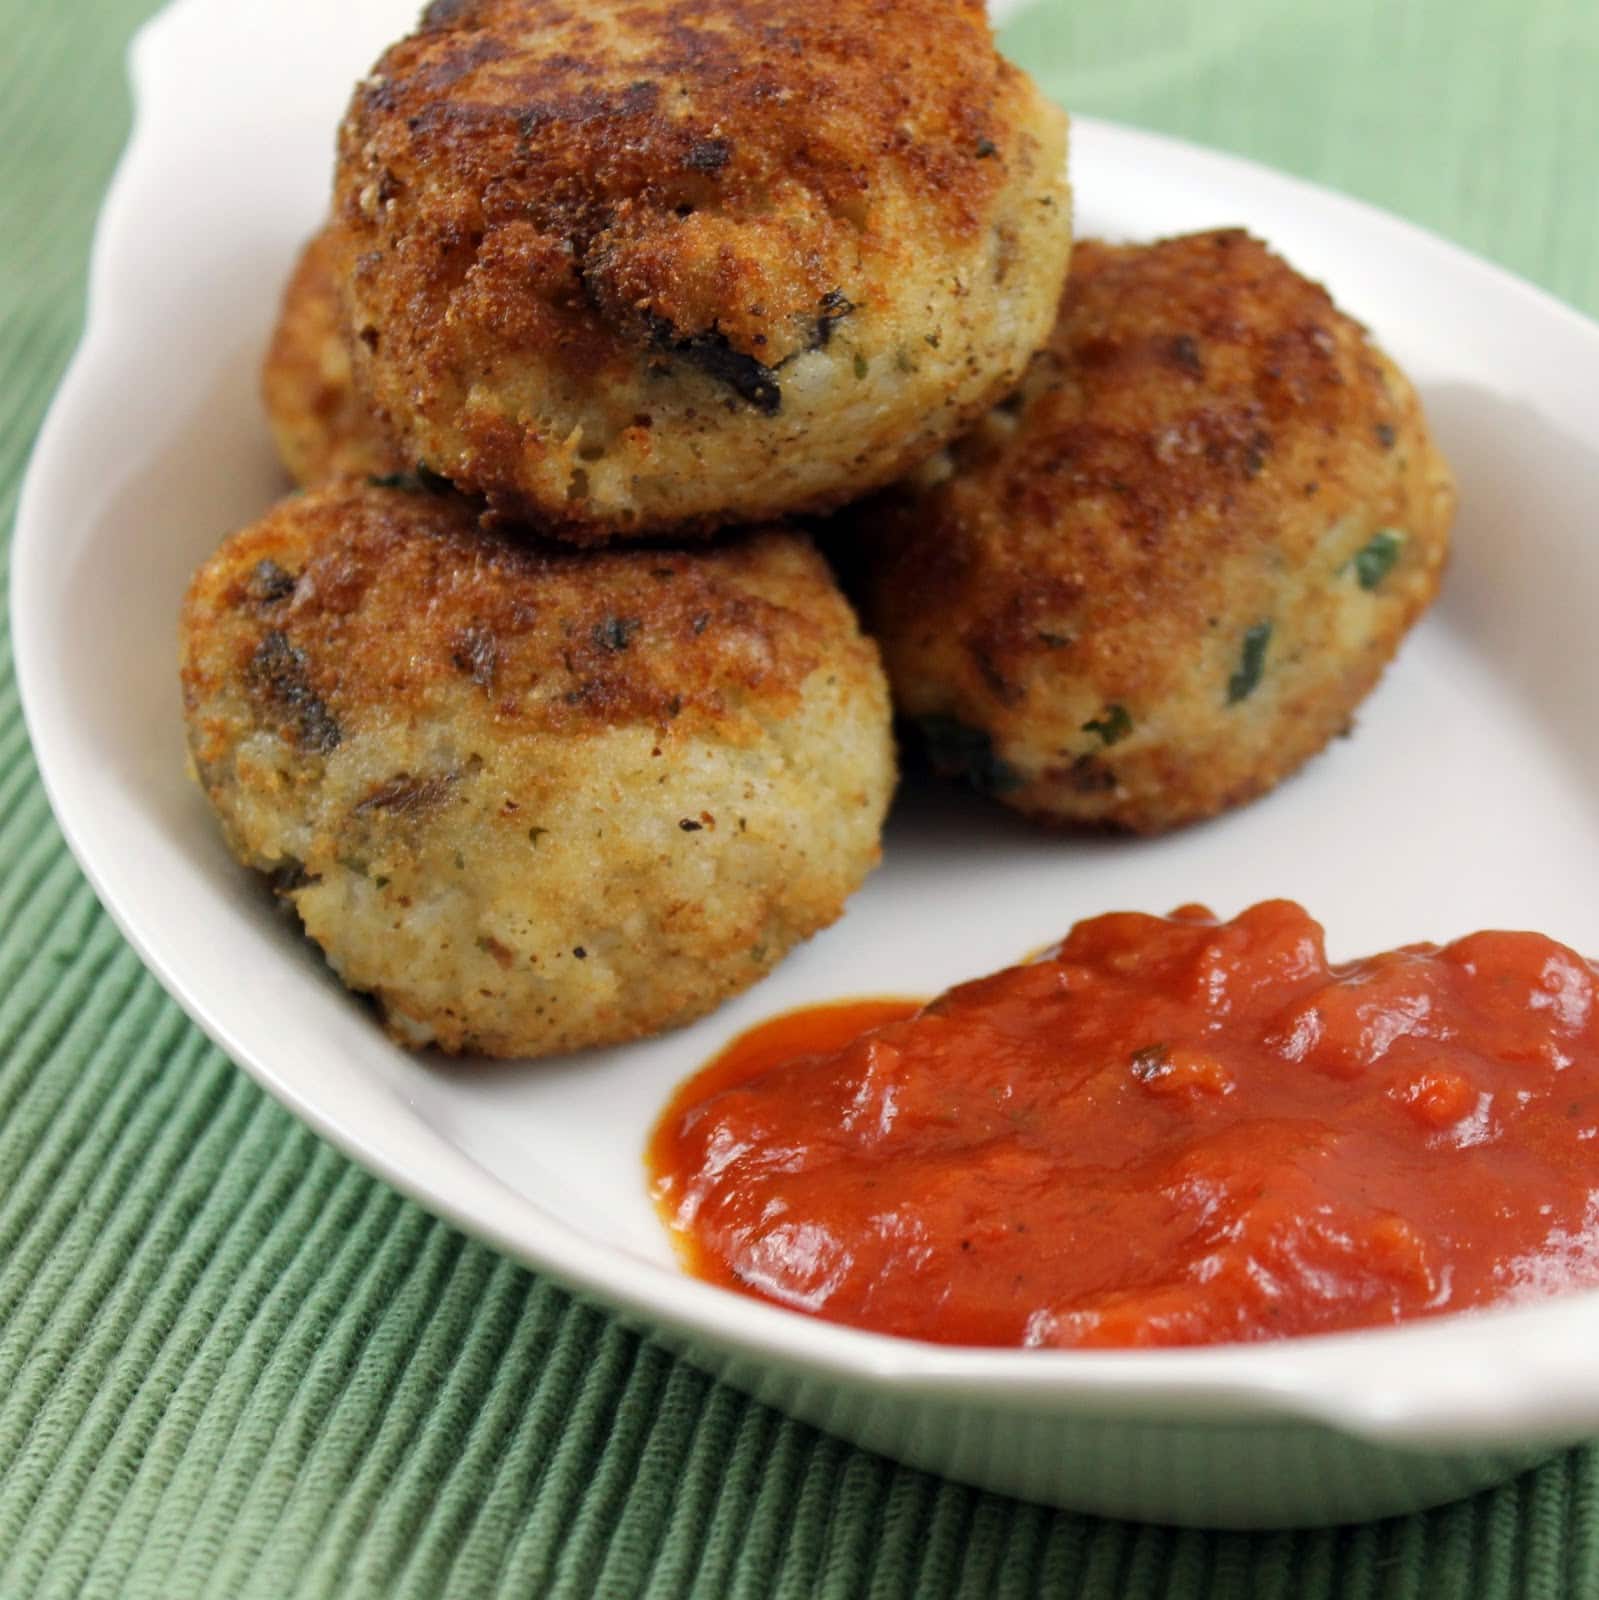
(232, 1364)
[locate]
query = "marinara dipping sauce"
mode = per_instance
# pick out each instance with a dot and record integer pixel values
(1168, 1131)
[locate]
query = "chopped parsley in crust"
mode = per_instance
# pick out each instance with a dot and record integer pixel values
(644, 264)
(1169, 568)
(532, 798)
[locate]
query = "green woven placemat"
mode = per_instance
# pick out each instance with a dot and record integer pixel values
(232, 1364)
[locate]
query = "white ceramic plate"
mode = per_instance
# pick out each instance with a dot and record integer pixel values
(1467, 799)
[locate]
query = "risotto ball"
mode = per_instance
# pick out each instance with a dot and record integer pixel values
(639, 265)
(1166, 571)
(321, 428)
(529, 798)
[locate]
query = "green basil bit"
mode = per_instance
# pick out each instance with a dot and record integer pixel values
(1251, 664)
(423, 481)
(1112, 725)
(615, 633)
(962, 751)
(1375, 559)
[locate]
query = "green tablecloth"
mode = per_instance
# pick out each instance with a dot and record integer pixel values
(233, 1364)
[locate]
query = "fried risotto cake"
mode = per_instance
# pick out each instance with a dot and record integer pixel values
(1166, 571)
(321, 429)
(649, 264)
(531, 798)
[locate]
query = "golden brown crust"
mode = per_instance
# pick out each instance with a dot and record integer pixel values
(611, 196)
(321, 428)
(534, 799)
(560, 132)
(383, 595)
(1196, 459)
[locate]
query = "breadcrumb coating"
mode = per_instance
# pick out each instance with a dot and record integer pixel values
(681, 264)
(530, 798)
(321, 428)
(1167, 570)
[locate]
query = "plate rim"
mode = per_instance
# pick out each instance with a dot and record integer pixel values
(1321, 1380)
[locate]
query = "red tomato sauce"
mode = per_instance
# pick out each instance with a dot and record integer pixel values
(1169, 1131)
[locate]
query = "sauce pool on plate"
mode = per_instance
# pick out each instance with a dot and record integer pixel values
(1168, 1131)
